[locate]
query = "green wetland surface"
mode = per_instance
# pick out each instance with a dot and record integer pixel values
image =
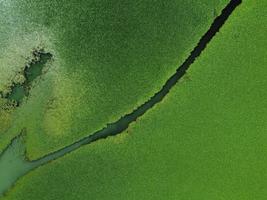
(204, 140)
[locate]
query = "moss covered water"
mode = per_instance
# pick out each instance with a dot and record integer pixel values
(205, 140)
(14, 164)
(109, 57)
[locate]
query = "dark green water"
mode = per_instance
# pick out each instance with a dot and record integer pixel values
(31, 73)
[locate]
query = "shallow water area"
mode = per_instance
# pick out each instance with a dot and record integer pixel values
(13, 164)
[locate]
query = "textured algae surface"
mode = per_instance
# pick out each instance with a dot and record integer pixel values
(206, 140)
(108, 58)
(22, 166)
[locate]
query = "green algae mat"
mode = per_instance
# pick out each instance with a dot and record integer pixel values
(133, 100)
